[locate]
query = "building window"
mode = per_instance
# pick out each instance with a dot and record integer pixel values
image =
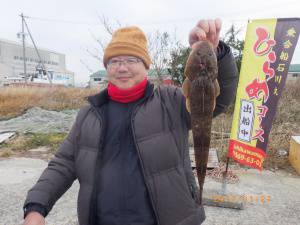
(295, 74)
(97, 79)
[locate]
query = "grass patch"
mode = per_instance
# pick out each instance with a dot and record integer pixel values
(23, 143)
(15, 100)
(52, 140)
(6, 153)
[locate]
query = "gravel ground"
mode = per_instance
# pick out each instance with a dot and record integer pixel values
(39, 120)
(17, 175)
(279, 189)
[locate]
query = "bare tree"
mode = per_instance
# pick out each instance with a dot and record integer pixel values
(109, 28)
(237, 45)
(160, 45)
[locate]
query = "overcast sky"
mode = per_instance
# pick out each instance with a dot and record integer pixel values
(68, 26)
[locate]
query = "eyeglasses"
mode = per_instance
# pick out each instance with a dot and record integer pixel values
(114, 63)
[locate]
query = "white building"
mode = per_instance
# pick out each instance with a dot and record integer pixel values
(12, 65)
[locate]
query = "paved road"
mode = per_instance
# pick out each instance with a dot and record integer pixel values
(17, 175)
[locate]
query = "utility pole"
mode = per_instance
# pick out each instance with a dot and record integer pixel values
(37, 51)
(24, 54)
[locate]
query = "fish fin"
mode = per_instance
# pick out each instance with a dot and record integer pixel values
(217, 88)
(187, 104)
(186, 87)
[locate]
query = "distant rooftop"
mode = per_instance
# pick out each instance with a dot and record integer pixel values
(151, 73)
(294, 68)
(100, 73)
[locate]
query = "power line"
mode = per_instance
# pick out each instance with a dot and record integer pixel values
(175, 21)
(232, 17)
(63, 21)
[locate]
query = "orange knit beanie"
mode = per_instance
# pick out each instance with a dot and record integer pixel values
(128, 41)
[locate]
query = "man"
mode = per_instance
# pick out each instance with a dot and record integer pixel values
(129, 147)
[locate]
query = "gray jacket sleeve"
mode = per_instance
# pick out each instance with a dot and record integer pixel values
(227, 77)
(191, 180)
(59, 175)
(175, 101)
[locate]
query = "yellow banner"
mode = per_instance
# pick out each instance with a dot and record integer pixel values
(268, 50)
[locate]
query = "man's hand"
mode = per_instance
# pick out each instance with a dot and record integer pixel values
(34, 218)
(206, 30)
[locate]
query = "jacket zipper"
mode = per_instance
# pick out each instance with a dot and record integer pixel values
(142, 165)
(98, 164)
(101, 123)
(138, 152)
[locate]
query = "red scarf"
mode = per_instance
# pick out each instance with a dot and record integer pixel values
(127, 95)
